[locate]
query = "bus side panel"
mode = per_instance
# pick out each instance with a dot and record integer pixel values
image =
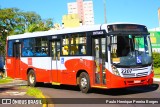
(73, 66)
(10, 67)
(40, 65)
(43, 75)
(68, 71)
(23, 69)
(16, 73)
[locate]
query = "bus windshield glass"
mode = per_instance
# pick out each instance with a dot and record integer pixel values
(131, 50)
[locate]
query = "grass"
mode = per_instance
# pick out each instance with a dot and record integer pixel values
(5, 80)
(35, 92)
(157, 72)
(156, 76)
(32, 91)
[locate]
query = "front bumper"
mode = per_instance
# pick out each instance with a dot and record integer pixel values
(114, 81)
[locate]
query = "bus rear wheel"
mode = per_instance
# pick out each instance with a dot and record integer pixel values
(84, 82)
(31, 78)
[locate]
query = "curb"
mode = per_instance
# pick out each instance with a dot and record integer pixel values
(47, 105)
(156, 79)
(44, 105)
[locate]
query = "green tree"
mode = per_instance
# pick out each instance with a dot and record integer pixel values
(14, 21)
(40, 26)
(9, 20)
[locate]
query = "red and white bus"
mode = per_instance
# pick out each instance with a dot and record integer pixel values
(105, 56)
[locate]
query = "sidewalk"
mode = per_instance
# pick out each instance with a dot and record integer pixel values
(156, 79)
(12, 91)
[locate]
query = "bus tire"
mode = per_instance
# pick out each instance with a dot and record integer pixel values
(84, 82)
(31, 78)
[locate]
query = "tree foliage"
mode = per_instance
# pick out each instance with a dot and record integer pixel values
(156, 59)
(14, 21)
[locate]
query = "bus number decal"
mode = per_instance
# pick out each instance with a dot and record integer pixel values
(126, 71)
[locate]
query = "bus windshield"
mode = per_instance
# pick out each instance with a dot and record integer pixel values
(131, 50)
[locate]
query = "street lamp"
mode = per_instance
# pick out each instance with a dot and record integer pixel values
(105, 17)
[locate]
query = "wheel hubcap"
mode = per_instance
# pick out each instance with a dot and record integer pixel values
(84, 82)
(31, 78)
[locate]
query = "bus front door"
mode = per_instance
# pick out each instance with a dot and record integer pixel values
(17, 55)
(55, 54)
(98, 52)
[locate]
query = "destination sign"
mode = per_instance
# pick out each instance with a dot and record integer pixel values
(127, 28)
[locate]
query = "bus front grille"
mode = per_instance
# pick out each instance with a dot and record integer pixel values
(135, 75)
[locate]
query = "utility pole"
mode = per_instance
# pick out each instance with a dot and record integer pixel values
(105, 15)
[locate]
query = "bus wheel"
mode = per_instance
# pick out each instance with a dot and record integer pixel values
(31, 78)
(84, 82)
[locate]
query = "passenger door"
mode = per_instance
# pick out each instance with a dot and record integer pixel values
(17, 55)
(55, 63)
(99, 55)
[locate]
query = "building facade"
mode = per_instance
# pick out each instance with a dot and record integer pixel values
(84, 8)
(71, 21)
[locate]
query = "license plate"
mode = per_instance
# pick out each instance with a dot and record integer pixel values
(137, 81)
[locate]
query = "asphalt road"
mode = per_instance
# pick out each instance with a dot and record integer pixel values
(12, 91)
(63, 91)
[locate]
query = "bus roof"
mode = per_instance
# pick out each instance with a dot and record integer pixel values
(124, 23)
(55, 32)
(64, 31)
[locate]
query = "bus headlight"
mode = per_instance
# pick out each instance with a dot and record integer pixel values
(115, 71)
(152, 69)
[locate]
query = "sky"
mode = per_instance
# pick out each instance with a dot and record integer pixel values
(135, 11)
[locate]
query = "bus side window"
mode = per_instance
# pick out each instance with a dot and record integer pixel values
(74, 49)
(41, 46)
(74, 44)
(40, 51)
(65, 50)
(65, 45)
(43, 52)
(27, 52)
(58, 54)
(81, 49)
(27, 49)
(78, 44)
(10, 48)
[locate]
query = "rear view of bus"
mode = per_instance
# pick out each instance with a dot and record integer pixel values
(130, 56)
